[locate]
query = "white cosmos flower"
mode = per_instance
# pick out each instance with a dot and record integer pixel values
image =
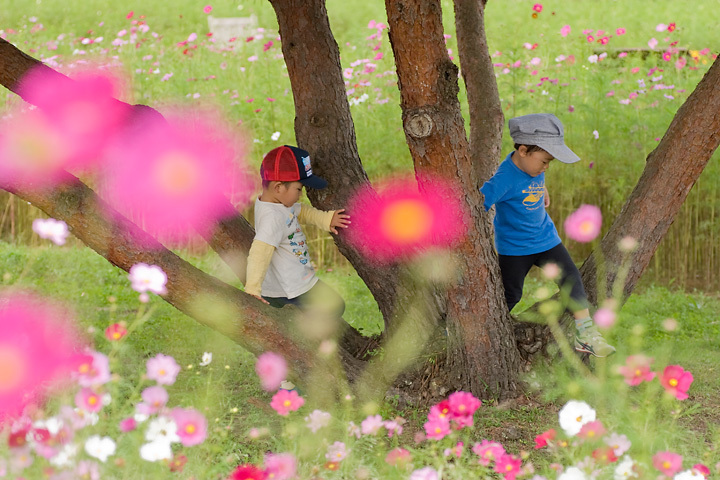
(624, 470)
(206, 359)
(144, 278)
(162, 429)
(66, 456)
(574, 415)
(50, 229)
(100, 447)
(275, 136)
(572, 473)
(691, 474)
(157, 450)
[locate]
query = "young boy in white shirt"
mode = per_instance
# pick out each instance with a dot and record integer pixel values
(279, 271)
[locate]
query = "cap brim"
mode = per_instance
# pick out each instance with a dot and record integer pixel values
(561, 153)
(314, 181)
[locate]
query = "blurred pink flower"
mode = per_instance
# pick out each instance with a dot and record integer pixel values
(177, 175)
(128, 425)
(592, 430)
(425, 473)
(701, 469)
(155, 398)
(545, 438)
(398, 457)
(508, 466)
(667, 56)
(371, 425)
(584, 224)
(463, 404)
(437, 428)
(400, 221)
(620, 31)
(604, 317)
(565, 30)
(336, 452)
(619, 443)
(191, 425)
(83, 110)
(147, 278)
(89, 400)
(207, 8)
(680, 63)
(652, 43)
(676, 381)
(271, 368)
(660, 27)
(286, 401)
(54, 230)
(538, 7)
(669, 463)
(38, 347)
(488, 451)
(317, 420)
(280, 466)
(163, 369)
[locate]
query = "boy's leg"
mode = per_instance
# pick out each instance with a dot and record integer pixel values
(514, 269)
(588, 339)
(324, 309)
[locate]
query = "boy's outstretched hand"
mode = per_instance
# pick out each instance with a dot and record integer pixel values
(339, 219)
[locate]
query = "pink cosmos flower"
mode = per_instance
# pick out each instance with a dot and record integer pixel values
(280, 466)
(88, 470)
(660, 27)
(440, 410)
(701, 469)
(371, 425)
(54, 230)
(336, 452)
(207, 8)
(637, 369)
(592, 430)
(155, 398)
(177, 175)
(544, 438)
(583, 225)
(317, 420)
(652, 43)
(437, 428)
(38, 347)
(676, 381)
(92, 369)
(619, 443)
(538, 7)
(116, 331)
(668, 463)
(191, 425)
(398, 457)
(604, 317)
(463, 403)
(565, 30)
(271, 368)
(620, 31)
(508, 466)
(425, 473)
(82, 110)
(286, 401)
(163, 369)
(147, 278)
(680, 63)
(128, 425)
(89, 400)
(667, 56)
(400, 221)
(488, 451)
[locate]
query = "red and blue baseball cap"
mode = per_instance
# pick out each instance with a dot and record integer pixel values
(290, 164)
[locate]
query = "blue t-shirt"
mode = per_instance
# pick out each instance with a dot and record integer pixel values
(522, 226)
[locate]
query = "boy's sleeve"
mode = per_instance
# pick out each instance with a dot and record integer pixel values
(316, 217)
(492, 192)
(257, 266)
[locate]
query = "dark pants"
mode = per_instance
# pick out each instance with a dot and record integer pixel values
(514, 269)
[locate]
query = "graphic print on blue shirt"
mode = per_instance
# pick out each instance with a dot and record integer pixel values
(535, 195)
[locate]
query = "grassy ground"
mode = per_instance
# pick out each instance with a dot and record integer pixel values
(228, 391)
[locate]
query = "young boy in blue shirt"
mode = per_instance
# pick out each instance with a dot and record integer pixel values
(524, 233)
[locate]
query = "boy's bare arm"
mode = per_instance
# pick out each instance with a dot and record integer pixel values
(547, 197)
(340, 220)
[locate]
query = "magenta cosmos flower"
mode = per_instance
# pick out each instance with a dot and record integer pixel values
(637, 370)
(272, 370)
(191, 425)
(89, 400)
(38, 347)
(92, 369)
(177, 177)
(676, 381)
(669, 463)
(584, 224)
(508, 466)
(399, 221)
(285, 401)
(82, 110)
(163, 369)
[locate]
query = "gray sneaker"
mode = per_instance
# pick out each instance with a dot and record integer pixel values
(591, 341)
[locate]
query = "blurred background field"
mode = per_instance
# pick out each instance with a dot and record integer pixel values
(616, 79)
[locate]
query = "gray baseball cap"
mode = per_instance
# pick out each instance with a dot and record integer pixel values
(544, 130)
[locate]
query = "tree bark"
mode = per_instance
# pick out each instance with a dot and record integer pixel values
(670, 172)
(481, 344)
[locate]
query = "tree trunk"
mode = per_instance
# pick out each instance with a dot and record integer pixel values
(670, 172)
(481, 345)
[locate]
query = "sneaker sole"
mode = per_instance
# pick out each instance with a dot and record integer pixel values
(586, 348)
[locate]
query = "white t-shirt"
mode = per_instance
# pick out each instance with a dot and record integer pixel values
(290, 273)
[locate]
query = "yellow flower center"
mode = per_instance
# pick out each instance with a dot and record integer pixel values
(666, 464)
(92, 400)
(190, 429)
(175, 173)
(287, 403)
(673, 382)
(406, 221)
(637, 372)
